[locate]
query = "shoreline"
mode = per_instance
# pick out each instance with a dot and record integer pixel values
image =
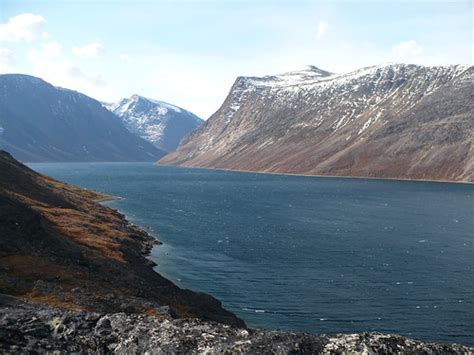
(319, 176)
(107, 198)
(275, 173)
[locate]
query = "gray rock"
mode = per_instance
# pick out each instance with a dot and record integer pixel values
(28, 327)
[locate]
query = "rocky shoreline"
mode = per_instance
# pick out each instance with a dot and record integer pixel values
(27, 328)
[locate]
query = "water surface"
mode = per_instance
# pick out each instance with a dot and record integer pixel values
(322, 255)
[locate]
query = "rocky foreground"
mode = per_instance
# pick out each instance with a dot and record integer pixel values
(26, 328)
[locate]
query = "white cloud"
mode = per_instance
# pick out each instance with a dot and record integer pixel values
(23, 27)
(407, 51)
(125, 57)
(66, 74)
(89, 50)
(52, 49)
(50, 65)
(323, 27)
(7, 60)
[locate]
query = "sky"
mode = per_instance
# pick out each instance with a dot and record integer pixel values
(189, 53)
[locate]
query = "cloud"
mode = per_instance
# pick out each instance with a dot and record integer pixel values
(125, 57)
(7, 60)
(51, 65)
(406, 51)
(52, 49)
(323, 27)
(89, 50)
(66, 74)
(23, 28)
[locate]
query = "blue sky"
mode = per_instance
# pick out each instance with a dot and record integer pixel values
(190, 52)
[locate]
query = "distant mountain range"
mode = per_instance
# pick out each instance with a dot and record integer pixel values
(40, 122)
(390, 121)
(158, 122)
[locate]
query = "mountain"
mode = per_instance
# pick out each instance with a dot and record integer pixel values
(158, 122)
(389, 121)
(41, 122)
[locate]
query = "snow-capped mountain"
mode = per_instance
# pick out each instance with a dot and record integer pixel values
(41, 122)
(397, 121)
(160, 123)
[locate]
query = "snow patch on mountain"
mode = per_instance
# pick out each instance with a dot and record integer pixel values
(290, 79)
(343, 97)
(158, 122)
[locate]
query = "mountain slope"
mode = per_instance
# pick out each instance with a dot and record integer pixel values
(391, 121)
(158, 122)
(61, 248)
(41, 122)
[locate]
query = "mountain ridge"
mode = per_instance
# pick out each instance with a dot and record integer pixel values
(41, 122)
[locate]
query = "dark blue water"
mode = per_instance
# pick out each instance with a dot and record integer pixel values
(322, 255)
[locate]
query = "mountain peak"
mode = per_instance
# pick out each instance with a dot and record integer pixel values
(158, 122)
(309, 74)
(314, 69)
(135, 97)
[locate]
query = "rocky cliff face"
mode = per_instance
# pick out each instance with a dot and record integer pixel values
(160, 123)
(59, 247)
(391, 121)
(40, 122)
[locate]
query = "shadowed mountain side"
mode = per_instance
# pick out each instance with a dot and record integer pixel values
(40, 122)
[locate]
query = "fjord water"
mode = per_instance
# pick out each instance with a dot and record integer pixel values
(322, 255)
